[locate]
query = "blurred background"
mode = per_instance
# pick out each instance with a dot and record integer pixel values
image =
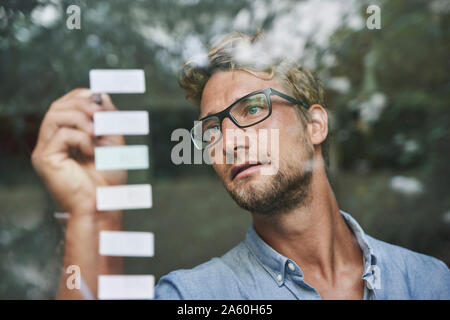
(388, 92)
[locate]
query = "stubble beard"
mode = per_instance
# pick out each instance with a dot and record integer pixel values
(289, 188)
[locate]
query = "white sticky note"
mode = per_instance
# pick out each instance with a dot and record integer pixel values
(121, 157)
(133, 196)
(115, 287)
(117, 80)
(126, 244)
(121, 122)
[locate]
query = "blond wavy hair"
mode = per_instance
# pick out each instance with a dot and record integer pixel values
(297, 81)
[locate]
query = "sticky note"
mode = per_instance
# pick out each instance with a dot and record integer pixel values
(124, 197)
(126, 243)
(121, 157)
(117, 80)
(115, 287)
(121, 122)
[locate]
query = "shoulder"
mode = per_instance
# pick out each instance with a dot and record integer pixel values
(416, 275)
(406, 259)
(214, 279)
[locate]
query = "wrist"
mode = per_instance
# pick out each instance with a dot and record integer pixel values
(103, 220)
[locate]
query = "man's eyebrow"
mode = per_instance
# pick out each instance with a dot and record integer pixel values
(211, 113)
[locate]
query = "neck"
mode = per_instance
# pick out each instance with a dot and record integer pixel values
(315, 234)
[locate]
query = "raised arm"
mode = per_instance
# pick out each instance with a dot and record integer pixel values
(64, 159)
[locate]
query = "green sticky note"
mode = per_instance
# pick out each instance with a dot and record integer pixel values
(121, 157)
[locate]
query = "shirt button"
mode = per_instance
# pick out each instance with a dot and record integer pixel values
(279, 277)
(291, 266)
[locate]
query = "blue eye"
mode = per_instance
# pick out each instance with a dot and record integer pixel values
(253, 109)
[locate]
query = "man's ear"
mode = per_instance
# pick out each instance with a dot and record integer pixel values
(318, 124)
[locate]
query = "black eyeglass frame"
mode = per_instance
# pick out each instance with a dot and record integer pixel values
(227, 114)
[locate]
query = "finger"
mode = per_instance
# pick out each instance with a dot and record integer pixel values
(97, 98)
(64, 138)
(83, 104)
(66, 118)
(110, 140)
(78, 93)
(102, 99)
(107, 102)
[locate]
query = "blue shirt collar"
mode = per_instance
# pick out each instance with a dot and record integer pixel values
(275, 263)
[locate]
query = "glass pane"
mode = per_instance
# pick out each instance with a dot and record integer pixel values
(211, 131)
(206, 132)
(210, 124)
(251, 110)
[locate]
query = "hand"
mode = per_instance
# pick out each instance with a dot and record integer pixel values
(64, 153)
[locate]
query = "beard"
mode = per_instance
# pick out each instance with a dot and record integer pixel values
(287, 189)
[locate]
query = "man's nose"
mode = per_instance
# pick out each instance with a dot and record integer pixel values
(233, 137)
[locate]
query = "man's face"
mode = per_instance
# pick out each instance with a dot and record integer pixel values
(290, 160)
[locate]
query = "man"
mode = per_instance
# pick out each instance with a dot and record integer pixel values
(299, 246)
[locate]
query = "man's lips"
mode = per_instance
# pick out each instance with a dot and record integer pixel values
(243, 170)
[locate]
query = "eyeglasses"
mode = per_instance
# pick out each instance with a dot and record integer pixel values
(249, 110)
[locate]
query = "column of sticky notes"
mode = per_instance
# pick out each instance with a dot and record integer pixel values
(123, 197)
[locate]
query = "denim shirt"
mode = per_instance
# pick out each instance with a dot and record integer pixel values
(254, 270)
